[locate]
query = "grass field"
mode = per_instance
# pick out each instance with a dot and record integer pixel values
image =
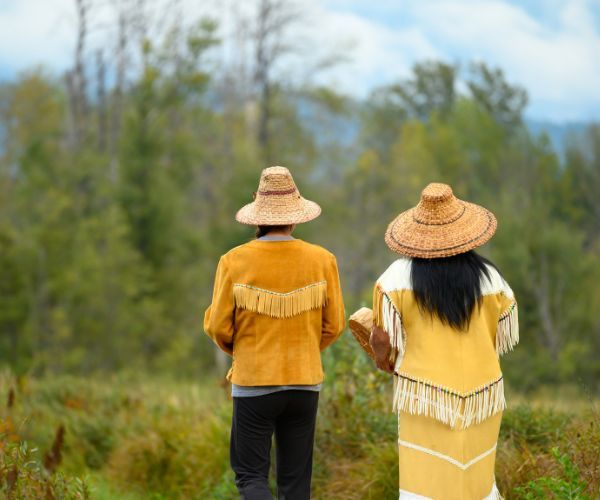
(122, 437)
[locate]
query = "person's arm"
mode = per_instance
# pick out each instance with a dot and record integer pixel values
(219, 317)
(507, 332)
(386, 335)
(333, 312)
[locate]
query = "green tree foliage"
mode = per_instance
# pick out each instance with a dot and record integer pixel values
(546, 246)
(14, 339)
(108, 244)
(503, 101)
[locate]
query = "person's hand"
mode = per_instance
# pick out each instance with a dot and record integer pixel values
(385, 365)
(380, 343)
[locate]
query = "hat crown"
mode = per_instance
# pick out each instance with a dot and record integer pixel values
(438, 205)
(277, 201)
(436, 191)
(276, 181)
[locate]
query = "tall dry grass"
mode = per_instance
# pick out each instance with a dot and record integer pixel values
(142, 438)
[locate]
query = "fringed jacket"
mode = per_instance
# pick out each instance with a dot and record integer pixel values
(276, 305)
(449, 375)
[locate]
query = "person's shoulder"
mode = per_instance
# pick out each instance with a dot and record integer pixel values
(495, 283)
(396, 276)
(316, 250)
(236, 251)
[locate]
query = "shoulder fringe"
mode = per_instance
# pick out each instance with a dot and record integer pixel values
(280, 305)
(387, 316)
(458, 410)
(507, 333)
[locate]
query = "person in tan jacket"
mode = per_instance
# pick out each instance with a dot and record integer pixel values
(276, 305)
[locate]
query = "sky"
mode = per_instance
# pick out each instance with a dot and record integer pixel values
(550, 47)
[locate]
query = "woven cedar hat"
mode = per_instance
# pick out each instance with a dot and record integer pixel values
(277, 202)
(441, 225)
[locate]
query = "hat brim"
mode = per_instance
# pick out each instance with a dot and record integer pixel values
(283, 215)
(473, 228)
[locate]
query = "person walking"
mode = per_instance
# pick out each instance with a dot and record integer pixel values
(277, 303)
(442, 316)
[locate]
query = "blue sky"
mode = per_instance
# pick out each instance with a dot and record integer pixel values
(550, 47)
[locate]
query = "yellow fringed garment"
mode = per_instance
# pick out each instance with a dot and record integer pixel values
(448, 386)
(280, 305)
(453, 408)
(276, 305)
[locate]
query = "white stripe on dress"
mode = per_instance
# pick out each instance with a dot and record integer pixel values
(408, 495)
(453, 461)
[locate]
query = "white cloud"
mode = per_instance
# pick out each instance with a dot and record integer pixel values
(376, 54)
(33, 32)
(556, 60)
(560, 68)
(43, 32)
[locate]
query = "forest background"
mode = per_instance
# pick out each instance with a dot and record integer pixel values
(120, 178)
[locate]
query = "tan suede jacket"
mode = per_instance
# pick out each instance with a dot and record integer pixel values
(276, 305)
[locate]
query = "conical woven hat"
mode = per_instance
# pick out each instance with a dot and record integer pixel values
(441, 225)
(277, 202)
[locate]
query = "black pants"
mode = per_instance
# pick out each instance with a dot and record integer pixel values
(291, 416)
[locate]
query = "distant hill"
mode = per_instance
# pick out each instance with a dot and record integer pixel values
(346, 129)
(558, 133)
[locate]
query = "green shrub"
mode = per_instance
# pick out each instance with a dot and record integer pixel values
(520, 464)
(97, 440)
(156, 439)
(583, 441)
(568, 487)
(23, 477)
(539, 427)
(179, 457)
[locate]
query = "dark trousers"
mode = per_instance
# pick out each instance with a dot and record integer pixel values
(291, 416)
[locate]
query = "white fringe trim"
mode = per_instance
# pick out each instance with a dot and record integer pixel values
(507, 333)
(458, 410)
(391, 322)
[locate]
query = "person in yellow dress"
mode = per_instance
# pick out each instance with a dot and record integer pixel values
(442, 316)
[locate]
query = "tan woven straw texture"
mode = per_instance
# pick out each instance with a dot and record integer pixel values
(277, 202)
(441, 225)
(361, 323)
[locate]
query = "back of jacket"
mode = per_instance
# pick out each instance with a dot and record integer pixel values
(450, 375)
(276, 305)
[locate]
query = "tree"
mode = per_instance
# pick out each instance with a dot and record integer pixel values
(15, 340)
(581, 183)
(503, 101)
(431, 89)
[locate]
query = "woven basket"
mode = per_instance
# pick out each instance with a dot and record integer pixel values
(361, 323)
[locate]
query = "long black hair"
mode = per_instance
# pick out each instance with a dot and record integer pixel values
(450, 287)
